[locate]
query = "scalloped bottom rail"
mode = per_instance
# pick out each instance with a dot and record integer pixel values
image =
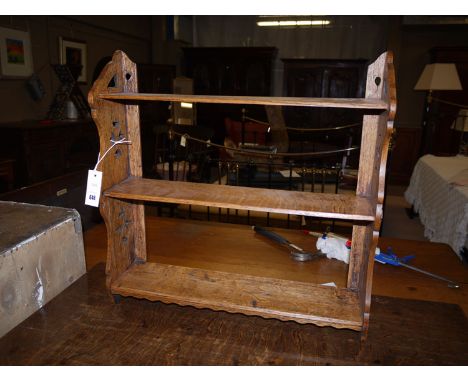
(236, 293)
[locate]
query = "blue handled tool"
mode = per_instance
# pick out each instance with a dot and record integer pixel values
(392, 259)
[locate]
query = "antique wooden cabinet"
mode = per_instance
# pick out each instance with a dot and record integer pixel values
(325, 78)
(115, 110)
(230, 71)
(153, 78)
(46, 149)
(240, 71)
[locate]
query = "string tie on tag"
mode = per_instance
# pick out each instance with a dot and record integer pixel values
(121, 141)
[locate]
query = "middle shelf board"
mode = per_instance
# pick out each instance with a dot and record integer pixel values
(330, 206)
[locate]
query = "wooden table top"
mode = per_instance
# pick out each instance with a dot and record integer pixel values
(82, 326)
(186, 237)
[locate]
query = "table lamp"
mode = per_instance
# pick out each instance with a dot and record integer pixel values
(437, 76)
(461, 124)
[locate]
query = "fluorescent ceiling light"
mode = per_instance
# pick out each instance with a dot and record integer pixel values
(290, 23)
(268, 23)
(305, 22)
(320, 22)
(287, 23)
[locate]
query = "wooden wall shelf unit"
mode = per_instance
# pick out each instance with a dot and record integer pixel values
(116, 113)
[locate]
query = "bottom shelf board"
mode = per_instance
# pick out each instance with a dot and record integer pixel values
(236, 248)
(239, 293)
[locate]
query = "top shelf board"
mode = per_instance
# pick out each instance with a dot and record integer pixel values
(348, 103)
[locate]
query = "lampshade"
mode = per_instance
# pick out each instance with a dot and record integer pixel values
(439, 77)
(461, 122)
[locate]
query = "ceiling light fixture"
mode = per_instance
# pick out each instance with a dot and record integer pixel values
(289, 23)
(268, 23)
(306, 22)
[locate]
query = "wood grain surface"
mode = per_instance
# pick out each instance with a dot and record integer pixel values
(230, 267)
(126, 225)
(125, 220)
(181, 242)
(235, 293)
(238, 249)
(376, 132)
(348, 103)
(82, 326)
(335, 206)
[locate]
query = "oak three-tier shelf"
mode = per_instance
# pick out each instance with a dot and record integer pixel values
(114, 101)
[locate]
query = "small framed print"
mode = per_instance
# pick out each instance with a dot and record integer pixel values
(73, 53)
(15, 53)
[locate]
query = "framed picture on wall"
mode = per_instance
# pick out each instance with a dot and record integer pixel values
(15, 53)
(73, 53)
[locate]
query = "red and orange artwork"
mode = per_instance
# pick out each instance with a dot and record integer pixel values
(15, 51)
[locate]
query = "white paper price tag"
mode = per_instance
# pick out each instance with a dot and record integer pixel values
(183, 141)
(93, 188)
